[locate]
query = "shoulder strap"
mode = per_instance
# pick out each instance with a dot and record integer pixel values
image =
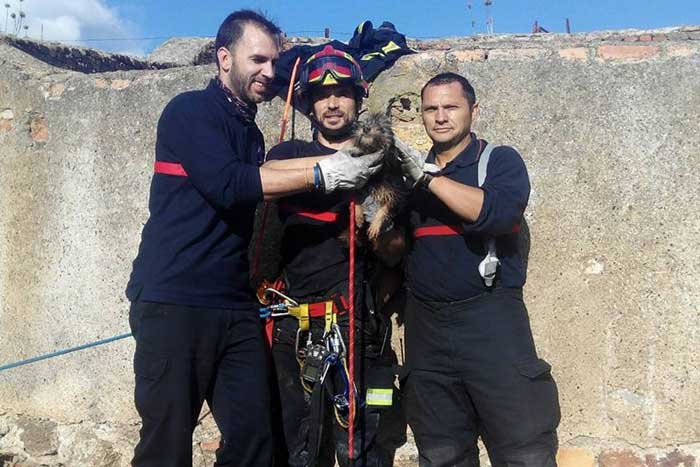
(484, 163)
(489, 265)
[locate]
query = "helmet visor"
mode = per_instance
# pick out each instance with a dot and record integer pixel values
(331, 70)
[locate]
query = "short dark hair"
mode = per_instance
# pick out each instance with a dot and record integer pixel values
(231, 29)
(447, 78)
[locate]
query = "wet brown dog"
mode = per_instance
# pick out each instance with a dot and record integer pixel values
(386, 188)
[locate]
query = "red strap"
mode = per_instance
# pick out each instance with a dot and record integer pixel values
(169, 168)
(438, 230)
(344, 302)
(269, 328)
(323, 216)
(318, 310)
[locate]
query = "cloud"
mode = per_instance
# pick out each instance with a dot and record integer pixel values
(76, 22)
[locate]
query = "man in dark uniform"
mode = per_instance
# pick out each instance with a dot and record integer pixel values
(193, 314)
(315, 271)
(471, 365)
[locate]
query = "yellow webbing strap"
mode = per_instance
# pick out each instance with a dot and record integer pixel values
(301, 313)
(330, 316)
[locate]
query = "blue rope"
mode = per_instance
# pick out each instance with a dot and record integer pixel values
(63, 352)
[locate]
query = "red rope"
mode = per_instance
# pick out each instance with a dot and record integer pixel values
(351, 336)
(288, 105)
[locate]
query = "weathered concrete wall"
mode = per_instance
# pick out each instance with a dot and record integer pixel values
(608, 125)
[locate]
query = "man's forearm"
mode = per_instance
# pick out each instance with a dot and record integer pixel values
(297, 163)
(288, 176)
(465, 201)
(278, 183)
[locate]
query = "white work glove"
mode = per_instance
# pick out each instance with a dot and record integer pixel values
(413, 165)
(342, 171)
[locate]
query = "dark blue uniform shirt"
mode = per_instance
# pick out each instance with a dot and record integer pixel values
(194, 246)
(315, 259)
(445, 267)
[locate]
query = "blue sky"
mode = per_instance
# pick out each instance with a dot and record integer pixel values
(130, 21)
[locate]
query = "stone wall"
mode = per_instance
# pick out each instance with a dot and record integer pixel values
(607, 123)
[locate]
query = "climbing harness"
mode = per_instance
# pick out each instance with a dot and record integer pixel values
(316, 357)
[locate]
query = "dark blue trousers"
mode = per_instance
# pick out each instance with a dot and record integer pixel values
(472, 370)
(185, 355)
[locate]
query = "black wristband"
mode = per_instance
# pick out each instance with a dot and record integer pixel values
(318, 178)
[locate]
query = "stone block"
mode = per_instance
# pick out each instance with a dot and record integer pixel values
(101, 83)
(38, 436)
(39, 129)
(517, 54)
(575, 457)
(119, 84)
(621, 458)
(677, 36)
(574, 53)
(627, 52)
(674, 458)
(682, 51)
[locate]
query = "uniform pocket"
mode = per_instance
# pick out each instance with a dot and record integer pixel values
(149, 366)
(540, 393)
(534, 368)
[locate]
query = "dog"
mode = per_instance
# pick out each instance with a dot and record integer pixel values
(386, 192)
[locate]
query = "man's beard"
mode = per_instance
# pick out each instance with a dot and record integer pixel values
(335, 135)
(240, 85)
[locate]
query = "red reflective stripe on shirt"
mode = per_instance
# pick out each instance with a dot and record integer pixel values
(447, 230)
(438, 230)
(169, 168)
(323, 216)
(319, 216)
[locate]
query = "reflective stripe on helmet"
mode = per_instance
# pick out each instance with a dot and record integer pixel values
(331, 66)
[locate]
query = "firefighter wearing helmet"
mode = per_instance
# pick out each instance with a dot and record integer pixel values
(309, 346)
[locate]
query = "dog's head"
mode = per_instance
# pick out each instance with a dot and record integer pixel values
(373, 133)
